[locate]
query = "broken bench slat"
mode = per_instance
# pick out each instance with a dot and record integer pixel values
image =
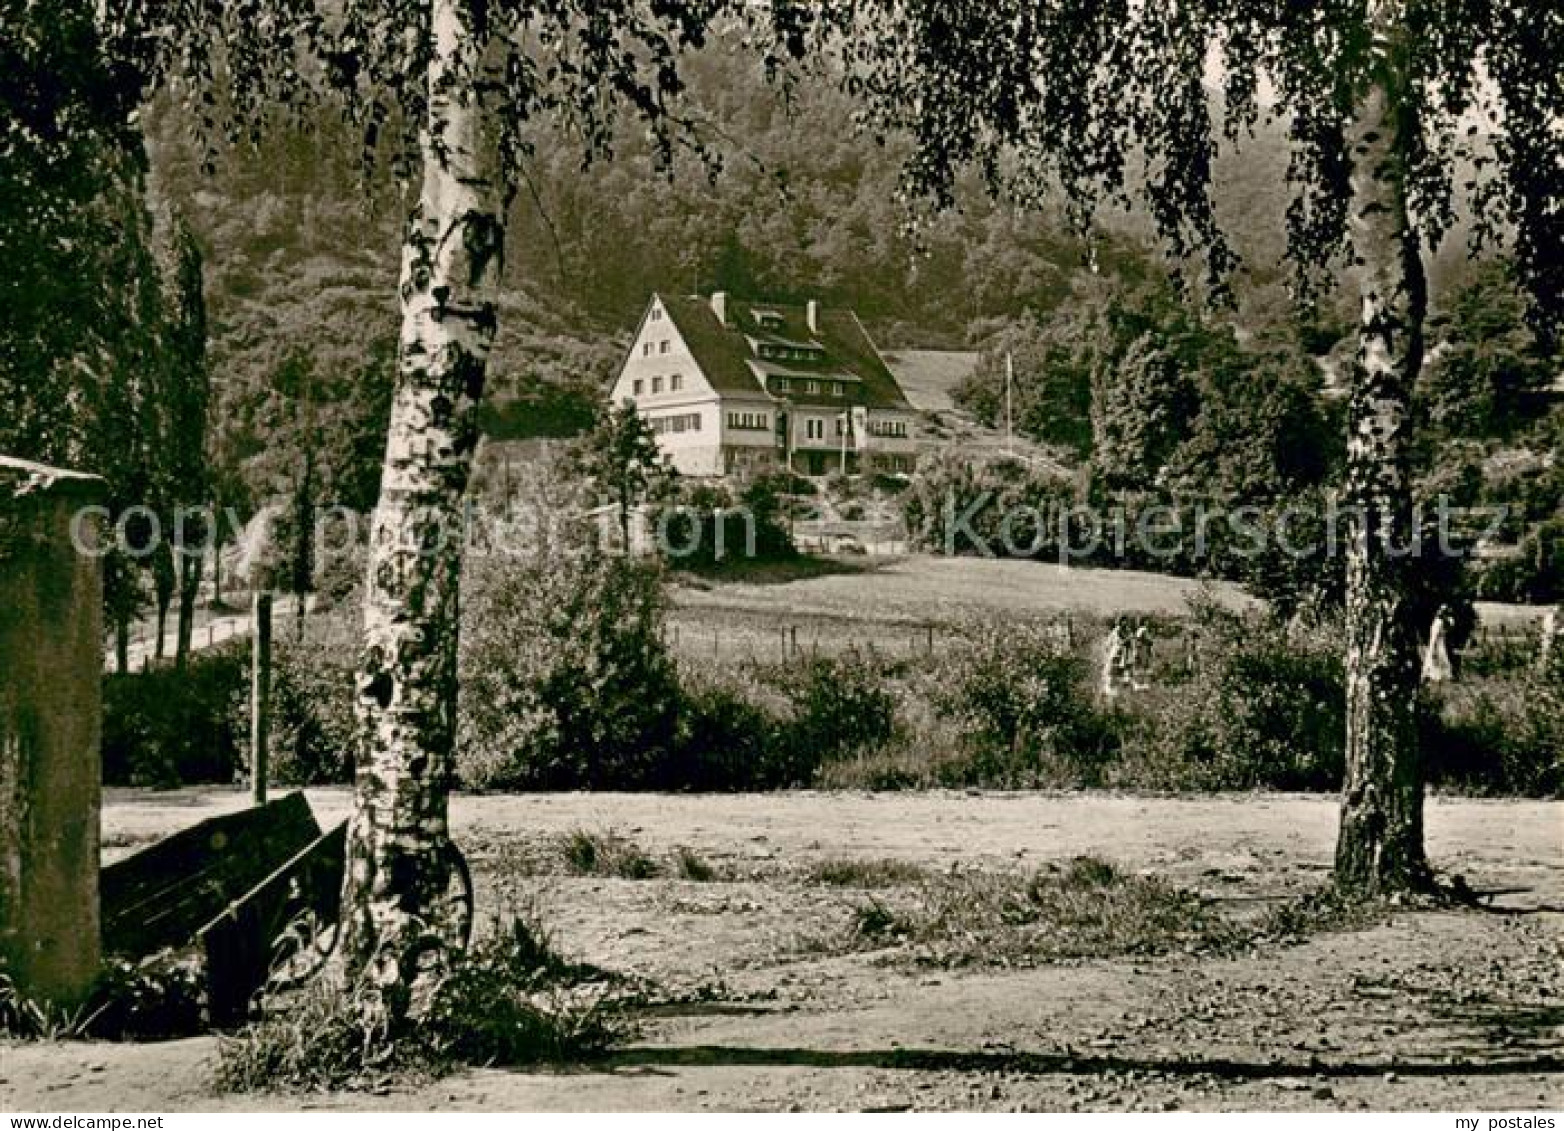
(161, 896)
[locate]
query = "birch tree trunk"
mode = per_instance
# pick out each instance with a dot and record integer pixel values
(1380, 843)
(398, 869)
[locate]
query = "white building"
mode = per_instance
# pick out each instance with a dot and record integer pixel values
(733, 388)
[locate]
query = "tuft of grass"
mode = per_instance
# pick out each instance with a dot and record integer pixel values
(510, 1000)
(1086, 908)
(589, 853)
(689, 865)
(847, 872)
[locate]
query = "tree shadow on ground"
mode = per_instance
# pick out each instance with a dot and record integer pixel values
(1047, 1064)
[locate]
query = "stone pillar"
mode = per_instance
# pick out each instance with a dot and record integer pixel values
(51, 670)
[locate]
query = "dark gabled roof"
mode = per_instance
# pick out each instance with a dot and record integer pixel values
(723, 353)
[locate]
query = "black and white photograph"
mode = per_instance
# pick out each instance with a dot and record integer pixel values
(781, 556)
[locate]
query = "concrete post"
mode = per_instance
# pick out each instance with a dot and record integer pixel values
(51, 670)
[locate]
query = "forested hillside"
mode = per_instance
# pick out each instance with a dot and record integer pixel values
(301, 264)
(300, 255)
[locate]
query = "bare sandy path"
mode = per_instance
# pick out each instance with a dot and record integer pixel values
(1433, 1011)
(1283, 841)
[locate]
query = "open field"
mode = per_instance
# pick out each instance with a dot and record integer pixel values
(1424, 1010)
(890, 604)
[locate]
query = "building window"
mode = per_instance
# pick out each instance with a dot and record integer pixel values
(657, 384)
(684, 422)
(657, 314)
(836, 388)
(748, 421)
(638, 386)
(814, 429)
(662, 346)
(811, 388)
(676, 382)
(646, 349)
(780, 384)
(892, 429)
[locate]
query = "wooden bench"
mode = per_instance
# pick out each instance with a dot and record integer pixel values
(246, 940)
(231, 885)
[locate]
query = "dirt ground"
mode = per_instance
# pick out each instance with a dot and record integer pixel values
(1455, 1011)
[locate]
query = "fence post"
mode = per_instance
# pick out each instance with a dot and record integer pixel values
(260, 695)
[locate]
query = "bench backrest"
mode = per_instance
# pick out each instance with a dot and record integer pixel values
(161, 896)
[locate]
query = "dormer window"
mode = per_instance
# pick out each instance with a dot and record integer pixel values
(767, 319)
(780, 384)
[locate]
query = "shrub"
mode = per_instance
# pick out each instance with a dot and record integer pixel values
(706, 530)
(566, 681)
(690, 865)
(163, 727)
(841, 707)
(1022, 696)
(1264, 706)
(727, 737)
(1497, 735)
(1536, 572)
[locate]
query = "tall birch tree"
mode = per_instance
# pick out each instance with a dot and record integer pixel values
(1391, 106)
(449, 88)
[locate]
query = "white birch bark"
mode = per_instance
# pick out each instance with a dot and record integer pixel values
(1380, 843)
(406, 691)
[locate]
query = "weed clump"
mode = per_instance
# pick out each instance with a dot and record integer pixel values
(510, 1000)
(589, 853)
(1088, 908)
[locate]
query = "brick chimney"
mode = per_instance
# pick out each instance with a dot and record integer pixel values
(719, 306)
(812, 316)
